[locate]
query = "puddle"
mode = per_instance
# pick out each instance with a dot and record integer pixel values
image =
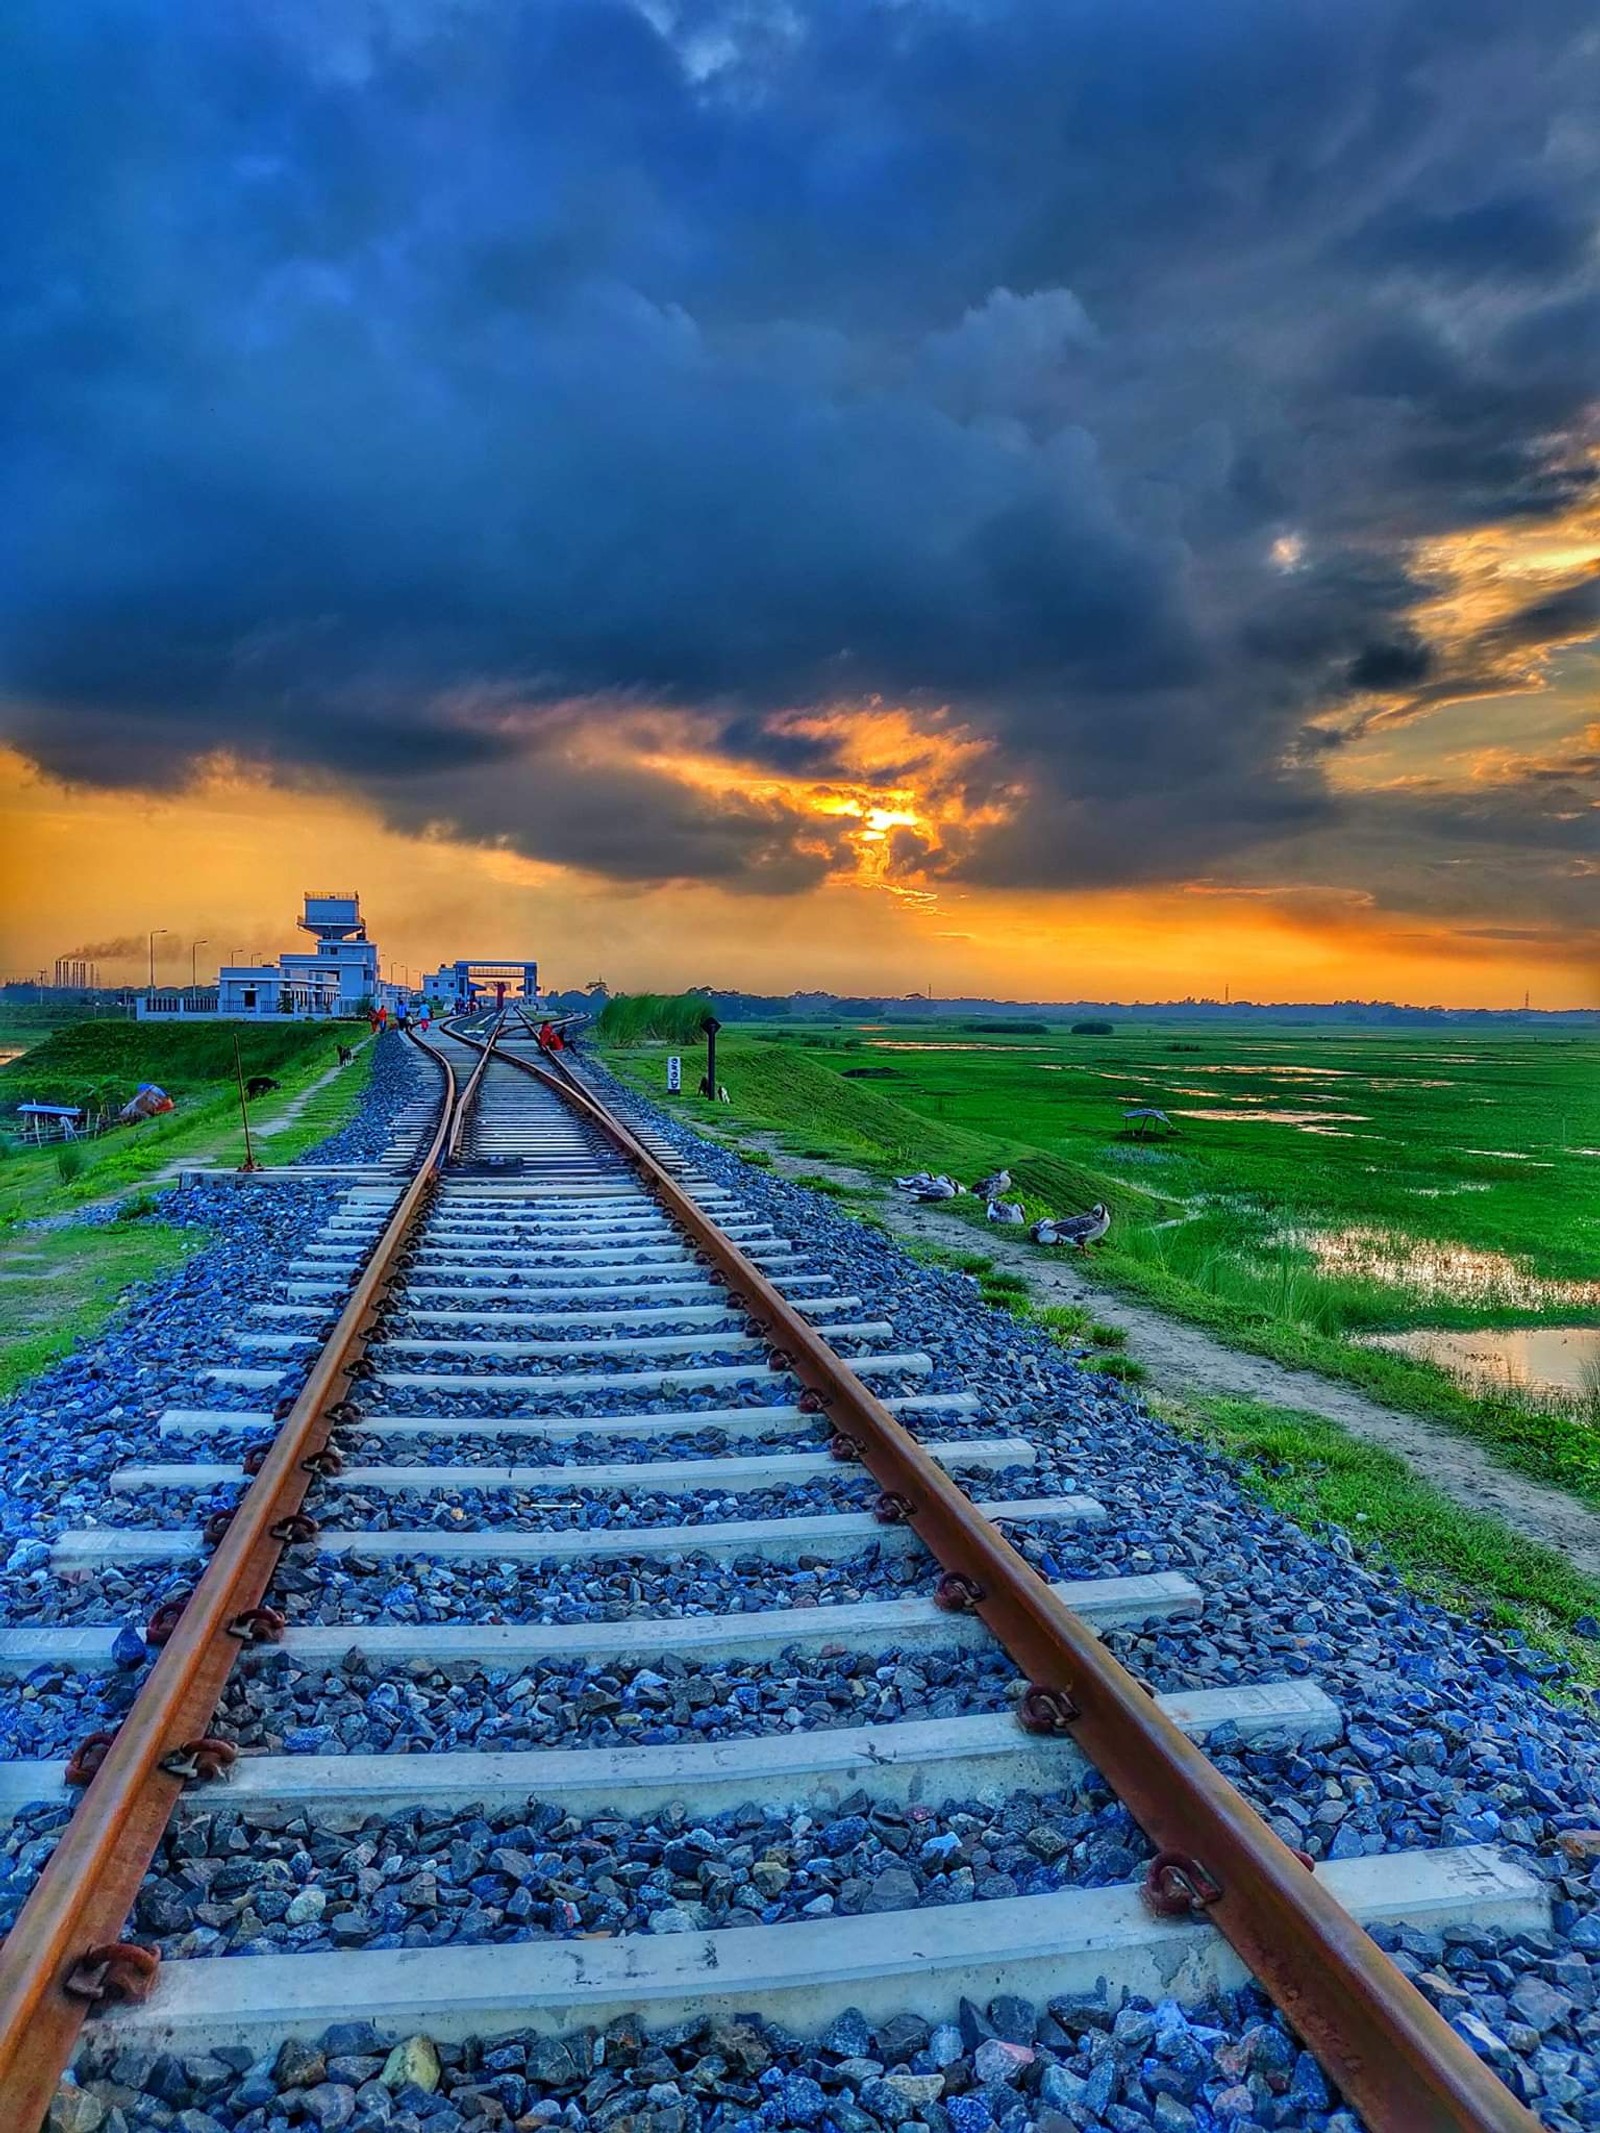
(8, 1052)
(1308, 1121)
(1554, 1358)
(909, 1044)
(1457, 1273)
(1446, 1192)
(1286, 1073)
(1510, 1155)
(1375, 1081)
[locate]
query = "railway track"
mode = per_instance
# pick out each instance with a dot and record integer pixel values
(541, 1361)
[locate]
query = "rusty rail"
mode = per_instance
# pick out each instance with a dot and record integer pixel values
(1375, 2035)
(64, 1954)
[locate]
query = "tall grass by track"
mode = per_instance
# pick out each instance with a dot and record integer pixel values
(653, 1017)
(1282, 1311)
(1201, 1216)
(63, 1283)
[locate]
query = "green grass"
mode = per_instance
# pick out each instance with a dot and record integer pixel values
(203, 1127)
(1553, 1439)
(1217, 1224)
(654, 1017)
(1121, 1367)
(1320, 1476)
(1005, 1290)
(103, 1062)
(60, 1287)
(795, 1090)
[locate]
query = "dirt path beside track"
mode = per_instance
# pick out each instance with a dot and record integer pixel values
(1187, 1362)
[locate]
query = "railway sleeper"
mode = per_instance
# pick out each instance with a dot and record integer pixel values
(1097, 1945)
(659, 1477)
(774, 1540)
(984, 1756)
(917, 1623)
(788, 1418)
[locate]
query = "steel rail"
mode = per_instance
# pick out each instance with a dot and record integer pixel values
(64, 1954)
(1386, 2047)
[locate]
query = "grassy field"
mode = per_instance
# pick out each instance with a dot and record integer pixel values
(1319, 1185)
(61, 1281)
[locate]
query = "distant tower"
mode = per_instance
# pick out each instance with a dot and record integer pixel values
(344, 959)
(333, 918)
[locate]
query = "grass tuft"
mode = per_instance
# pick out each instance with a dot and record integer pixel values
(1321, 1476)
(1121, 1367)
(653, 1017)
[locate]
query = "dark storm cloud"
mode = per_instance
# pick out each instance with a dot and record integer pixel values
(381, 378)
(1398, 663)
(1522, 235)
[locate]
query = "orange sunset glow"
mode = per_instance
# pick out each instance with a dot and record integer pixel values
(226, 859)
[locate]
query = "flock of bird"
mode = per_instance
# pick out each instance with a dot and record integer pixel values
(1079, 1230)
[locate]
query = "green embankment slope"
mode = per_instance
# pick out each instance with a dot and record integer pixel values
(786, 1090)
(61, 1283)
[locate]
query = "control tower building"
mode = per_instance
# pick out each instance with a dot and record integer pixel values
(343, 951)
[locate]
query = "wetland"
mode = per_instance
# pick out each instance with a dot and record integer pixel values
(1417, 1216)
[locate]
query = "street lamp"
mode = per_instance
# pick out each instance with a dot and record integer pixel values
(194, 948)
(154, 930)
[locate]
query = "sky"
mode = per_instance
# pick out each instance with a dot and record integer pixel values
(1057, 498)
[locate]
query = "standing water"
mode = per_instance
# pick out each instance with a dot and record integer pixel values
(1549, 1358)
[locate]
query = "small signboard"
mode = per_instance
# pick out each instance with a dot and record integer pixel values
(674, 1074)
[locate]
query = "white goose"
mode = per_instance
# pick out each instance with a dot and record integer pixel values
(991, 1187)
(1008, 1212)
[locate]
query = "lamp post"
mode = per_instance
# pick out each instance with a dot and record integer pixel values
(194, 949)
(154, 930)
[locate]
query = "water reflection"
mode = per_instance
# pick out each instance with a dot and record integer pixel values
(1286, 1073)
(1309, 1121)
(1458, 1273)
(1554, 1358)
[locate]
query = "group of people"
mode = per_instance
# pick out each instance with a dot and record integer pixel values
(550, 1037)
(402, 1018)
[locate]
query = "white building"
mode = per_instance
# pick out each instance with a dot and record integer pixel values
(337, 977)
(482, 981)
(343, 957)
